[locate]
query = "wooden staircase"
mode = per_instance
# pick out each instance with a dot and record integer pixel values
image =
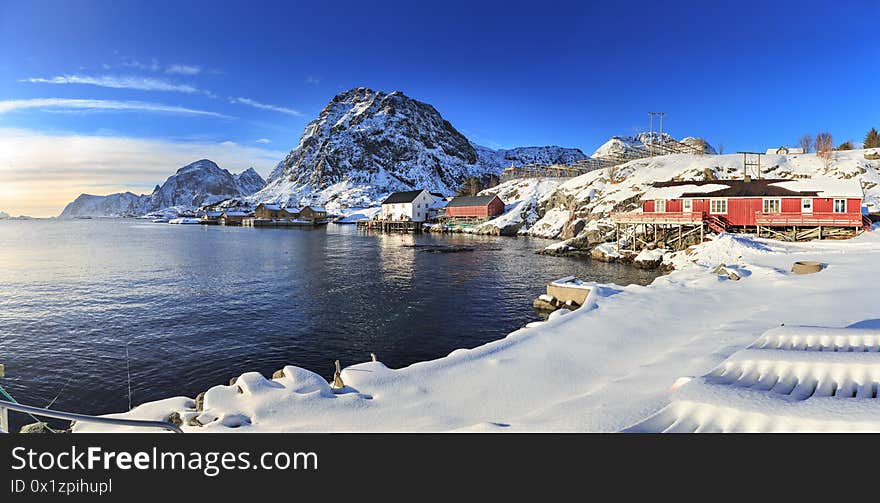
(715, 223)
(867, 223)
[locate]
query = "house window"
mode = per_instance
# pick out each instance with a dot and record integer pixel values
(687, 206)
(772, 205)
(806, 205)
(840, 206)
(660, 206)
(718, 206)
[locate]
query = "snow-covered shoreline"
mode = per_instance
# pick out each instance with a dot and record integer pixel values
(604, 367)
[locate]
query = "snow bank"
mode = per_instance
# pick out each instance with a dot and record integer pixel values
(357, 214)
(604, 367)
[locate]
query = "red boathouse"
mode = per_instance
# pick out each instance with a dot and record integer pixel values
(786, 209)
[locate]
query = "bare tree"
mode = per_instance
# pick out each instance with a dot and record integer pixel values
(806, 143)
(611, 173)
(825, 147)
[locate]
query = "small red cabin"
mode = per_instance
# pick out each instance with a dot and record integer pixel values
(764, 202)
(475, 207)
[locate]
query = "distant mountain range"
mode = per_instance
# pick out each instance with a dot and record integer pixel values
(193, 186)
(363, 145)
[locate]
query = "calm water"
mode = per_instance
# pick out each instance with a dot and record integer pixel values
(197, 305)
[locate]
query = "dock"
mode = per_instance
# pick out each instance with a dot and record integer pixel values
(390, 226)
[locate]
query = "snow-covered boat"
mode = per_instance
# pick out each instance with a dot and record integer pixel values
(160, 220)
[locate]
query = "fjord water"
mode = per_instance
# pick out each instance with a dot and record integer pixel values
(196, 305)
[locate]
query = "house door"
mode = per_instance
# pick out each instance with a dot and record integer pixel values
(687, 206)
(806, 205)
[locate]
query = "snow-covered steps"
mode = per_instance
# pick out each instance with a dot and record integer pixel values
(790, 379)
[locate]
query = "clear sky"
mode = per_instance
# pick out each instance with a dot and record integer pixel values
(104, 96)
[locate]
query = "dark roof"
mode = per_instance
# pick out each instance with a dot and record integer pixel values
(460, 201)
(402, 197)
(739, 188)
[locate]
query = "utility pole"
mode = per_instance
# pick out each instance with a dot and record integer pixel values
(660, 116)
(753, 160)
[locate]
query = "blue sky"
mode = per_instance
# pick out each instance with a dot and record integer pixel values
(238, 81)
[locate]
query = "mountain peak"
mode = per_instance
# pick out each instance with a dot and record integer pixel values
(194, 185)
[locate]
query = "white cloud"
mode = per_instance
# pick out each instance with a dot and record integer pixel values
(82, 105)
(264, 140)
(152, 66)
(40, 173)
(184, 70)
(116, 82)
(263, 106)
(311, 79)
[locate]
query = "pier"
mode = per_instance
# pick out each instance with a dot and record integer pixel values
(390, 225)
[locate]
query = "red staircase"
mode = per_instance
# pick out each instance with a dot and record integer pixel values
(715, 223)
(866, 221)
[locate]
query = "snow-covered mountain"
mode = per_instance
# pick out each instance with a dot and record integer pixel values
(123, 204)
(495, 160)
(617, 145)
(365, 144)
(192, 186)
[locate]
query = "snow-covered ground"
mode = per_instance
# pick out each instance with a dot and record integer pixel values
(354, 215)
(604, 367)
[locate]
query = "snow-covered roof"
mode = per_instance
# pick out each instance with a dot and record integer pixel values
(236, 213)
(810, 187)
(676, 191)
(318, 209)
(271, 207)
(826, 186)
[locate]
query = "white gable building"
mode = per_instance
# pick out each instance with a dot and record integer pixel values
(411, 205)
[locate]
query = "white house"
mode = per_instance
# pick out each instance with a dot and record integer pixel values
(411, 205)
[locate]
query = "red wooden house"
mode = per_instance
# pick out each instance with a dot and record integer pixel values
(474, 207)
(793, 209)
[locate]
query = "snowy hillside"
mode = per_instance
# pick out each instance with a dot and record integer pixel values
(547, 208)
(4, 215)
(194, 185)
(365, 144)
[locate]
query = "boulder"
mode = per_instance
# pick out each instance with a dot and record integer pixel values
(806, 267)
(545, 302)
(39, 427)
(174, 418)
